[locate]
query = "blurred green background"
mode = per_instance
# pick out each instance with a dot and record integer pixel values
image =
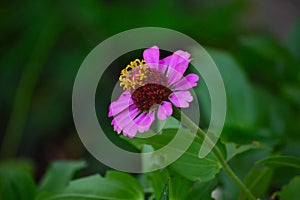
(256, 45)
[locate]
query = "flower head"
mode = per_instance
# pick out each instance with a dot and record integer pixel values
(151, 86)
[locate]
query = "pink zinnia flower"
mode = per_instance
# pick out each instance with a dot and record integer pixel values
(151, 87)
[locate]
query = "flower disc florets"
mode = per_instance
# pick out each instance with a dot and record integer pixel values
(147, 85)
(149, 95)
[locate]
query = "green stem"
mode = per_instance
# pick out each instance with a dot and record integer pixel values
(180, 116)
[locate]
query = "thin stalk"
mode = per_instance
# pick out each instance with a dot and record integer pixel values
(180, 116)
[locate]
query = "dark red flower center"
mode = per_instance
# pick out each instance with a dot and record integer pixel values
(148, 86)
(149, 95)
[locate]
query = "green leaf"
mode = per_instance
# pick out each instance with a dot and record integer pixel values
(270, 124)
(281, 161)
(193, 168)
(273, 114)
(170, 122)
(233, 149)
(114, 186)
(290, 191)
(16, 184)
(180, 187)
(158, 180)
(226, 187)
(258, 181)
(202, 190)
(59, 174)
(189, 165)
(165, 194)
(240, 100)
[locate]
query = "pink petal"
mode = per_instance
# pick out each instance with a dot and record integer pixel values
(163, 64)
(130, 122)
(173, 75)
(187, 82)
(121, 104)
(124, 119)
(178, 63)
(141, 123)
(164, 110)
(130, 130)
(116, 127)
(179, 57)
(181, 99)
(151, 57)
(144, 121)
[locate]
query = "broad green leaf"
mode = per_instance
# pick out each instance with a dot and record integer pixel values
(16, 184)
(193, 168)
(281, 161)
(290, 191)
(241, 164)
(228, 188)
(271, 122)
(59, 174)
(157, 181)
(272, 115)
(241, 110)
(202, 191)
(170, 122)
(165, 194)
(233, 149)
(179, 187)
(114, 186)
(189, 165)
(258, 181)
(239, 135)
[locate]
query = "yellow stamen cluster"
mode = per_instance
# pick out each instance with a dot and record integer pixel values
(132, 76)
